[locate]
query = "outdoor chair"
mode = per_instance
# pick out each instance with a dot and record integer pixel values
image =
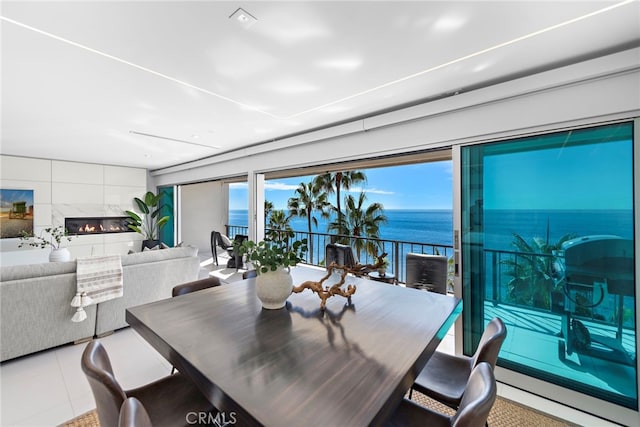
(236, 259)
(166, 400)
(340, 254)
(428, 272)
(220, 240)
(445, 376)
(479, 396)
(133, 414)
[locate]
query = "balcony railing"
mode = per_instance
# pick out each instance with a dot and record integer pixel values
(529, 280)
(396, 250)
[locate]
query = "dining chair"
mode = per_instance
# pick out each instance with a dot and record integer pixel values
(427, 272)
(197, 285)
(166, 400)
(133, 414)
(445, 376)
(473, 411)
(249, 274)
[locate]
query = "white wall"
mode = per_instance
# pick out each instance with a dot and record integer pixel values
(70, 189)
(203, 208)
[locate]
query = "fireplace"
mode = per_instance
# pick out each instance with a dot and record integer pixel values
(98, 225)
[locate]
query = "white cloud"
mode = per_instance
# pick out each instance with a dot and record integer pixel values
(369, 190)
(279, 186)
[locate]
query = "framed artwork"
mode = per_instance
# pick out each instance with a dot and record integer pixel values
(16, 212)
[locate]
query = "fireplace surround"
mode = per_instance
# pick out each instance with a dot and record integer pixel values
(97, 225)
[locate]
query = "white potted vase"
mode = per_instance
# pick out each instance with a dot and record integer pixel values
(274, 287)
(59, 255)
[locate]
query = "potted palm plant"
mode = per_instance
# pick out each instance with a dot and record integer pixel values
(148, 222)
(272, 259)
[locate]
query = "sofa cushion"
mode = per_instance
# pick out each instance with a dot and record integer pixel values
(19, 272)
(150, 256)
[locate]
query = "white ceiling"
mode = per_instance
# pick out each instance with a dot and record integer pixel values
(82, 81)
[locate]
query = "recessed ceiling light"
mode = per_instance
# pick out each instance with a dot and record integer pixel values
(243, 17)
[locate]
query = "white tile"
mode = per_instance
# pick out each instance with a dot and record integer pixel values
(82, 405)
(32, 395)
(75, 381)
(76, 193)
(24, 168)
(42, 214)
(116, 175)
(50, 417)
(41, 189)
(74, 172)
(122, 196)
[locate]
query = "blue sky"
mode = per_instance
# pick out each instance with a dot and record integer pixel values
(593, 176)
(419, 186)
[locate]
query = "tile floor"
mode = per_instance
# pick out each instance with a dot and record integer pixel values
(49, 388)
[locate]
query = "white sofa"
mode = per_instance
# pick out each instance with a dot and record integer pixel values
(34, 299)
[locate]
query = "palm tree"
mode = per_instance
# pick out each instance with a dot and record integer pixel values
(268, 208)
(533, 270)
(308, 198)
(333, 182)
(359, 220)
(278, 226)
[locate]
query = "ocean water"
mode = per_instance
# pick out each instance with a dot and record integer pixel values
(435, 226)
(422, 226)
(500, 225)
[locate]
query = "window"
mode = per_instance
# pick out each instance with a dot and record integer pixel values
(548, 246)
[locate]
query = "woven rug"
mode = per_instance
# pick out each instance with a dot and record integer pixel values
(505, 413)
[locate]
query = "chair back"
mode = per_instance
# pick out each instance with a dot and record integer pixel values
(427, 272)
(214, 241)
(249, 274)
(490, 343)
(340, 254)
(133, 414)
(107, 393)
(478, 398)
(197, 285)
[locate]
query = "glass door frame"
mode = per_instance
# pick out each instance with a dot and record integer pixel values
(535, 388)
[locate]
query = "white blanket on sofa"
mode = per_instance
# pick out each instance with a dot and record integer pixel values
(99, 279)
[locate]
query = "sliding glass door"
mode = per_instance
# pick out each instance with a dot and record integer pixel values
(548, 246)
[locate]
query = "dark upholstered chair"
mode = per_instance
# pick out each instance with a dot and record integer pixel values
(249, 274)
(340, 254)
(197, 285)
(445, 376)
(167, 400)
(479, 397)
(218, 240)
(133, 414)
(236, 259)
(427, 272)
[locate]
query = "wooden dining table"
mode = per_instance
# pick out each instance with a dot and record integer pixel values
(349, 365)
